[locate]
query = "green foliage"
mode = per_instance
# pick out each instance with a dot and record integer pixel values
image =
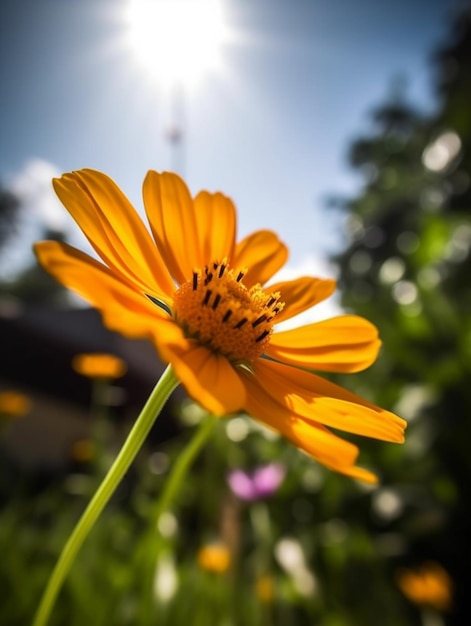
(407, 269)
(308, 540)
(32, 286)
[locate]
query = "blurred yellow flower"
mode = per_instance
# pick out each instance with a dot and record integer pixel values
(14, 404)
(265, 589)
(427, 585)
(214, 557)
(82, 450)
(99, 365)
(201, 298)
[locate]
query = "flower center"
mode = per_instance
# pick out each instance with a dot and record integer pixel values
(220, 312)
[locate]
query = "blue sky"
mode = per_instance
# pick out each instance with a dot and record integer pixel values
(271, 130)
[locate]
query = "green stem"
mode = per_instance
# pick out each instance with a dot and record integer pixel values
(182, 464)
(131, 447)
(101, 429)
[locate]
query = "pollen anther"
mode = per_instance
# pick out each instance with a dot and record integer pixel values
(203, 313)
(262, 336)
(258, 321)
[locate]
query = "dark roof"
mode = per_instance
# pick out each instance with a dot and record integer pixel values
(37, 348)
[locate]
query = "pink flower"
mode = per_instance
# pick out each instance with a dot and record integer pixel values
(259, 484)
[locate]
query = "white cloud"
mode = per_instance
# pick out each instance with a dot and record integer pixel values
(40, 209)
(33, 187)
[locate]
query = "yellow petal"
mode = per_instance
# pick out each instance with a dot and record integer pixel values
(124, 310)
(333, 452)
(216, 226)
(312, 438)
(301, 294)
(262, 253)
(317, 400)
(359, 473)
(209, 378)
(114, 229)
(171, 214)
(347, 343)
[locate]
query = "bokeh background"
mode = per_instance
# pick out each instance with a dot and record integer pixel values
(344, 128)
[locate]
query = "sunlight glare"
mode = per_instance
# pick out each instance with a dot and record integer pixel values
(176, 41)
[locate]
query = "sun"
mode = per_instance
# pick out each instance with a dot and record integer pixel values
(176, 41)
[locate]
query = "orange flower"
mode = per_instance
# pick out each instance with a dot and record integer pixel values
(427, 585)
(201, 298)
(99, 365)
(82, 450)
(14, 404)
(214, 557)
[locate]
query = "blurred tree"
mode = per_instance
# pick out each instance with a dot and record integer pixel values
(8, 212)
(407, 268)
(33, 286)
